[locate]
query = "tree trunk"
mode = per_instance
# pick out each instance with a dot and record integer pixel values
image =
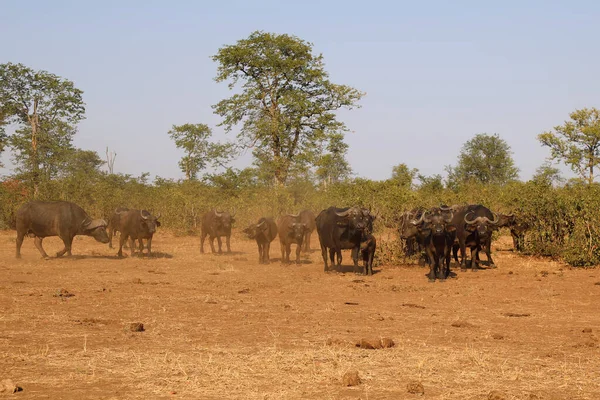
(35, 168)
(592, 162)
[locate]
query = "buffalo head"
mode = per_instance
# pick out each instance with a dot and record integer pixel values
(255, 229)
(297, 231)
(96, 228)
(438, 222)
(150, 221)
(482, 225)
(357, 218)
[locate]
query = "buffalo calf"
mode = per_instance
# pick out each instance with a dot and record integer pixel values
(290, 231)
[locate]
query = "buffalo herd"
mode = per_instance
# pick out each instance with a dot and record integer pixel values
(437, 233)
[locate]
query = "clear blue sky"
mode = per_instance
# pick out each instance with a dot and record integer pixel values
(435, 72)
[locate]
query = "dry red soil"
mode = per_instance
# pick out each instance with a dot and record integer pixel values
(225, 327)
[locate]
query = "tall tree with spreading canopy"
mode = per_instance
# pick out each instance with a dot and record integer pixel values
(199, 152)
(403, 175)
(485, 159)
(286, 103)
(332, 167)
(38, 102)
(577, 142)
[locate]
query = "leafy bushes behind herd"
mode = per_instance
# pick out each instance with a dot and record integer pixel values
(564, 222)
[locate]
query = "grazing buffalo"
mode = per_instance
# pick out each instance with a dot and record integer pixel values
(291, 231)
(216, 224)
(136, 225)
(368, 246)
(439, 237)
(264, 232)
(517, 227)
(474, 226)
(342, 228)
(40, 219)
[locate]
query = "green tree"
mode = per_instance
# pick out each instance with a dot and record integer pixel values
(39, 101)
(286, 104)
(332, 167)
(199, 152)
(433, 183)
(485, 159)
(403, 175)
(548, 175)
(577, 142)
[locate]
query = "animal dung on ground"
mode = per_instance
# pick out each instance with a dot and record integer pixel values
(243, 291)
(373, 344)
(136, 327)
(496, 395)
(411, 305)
(351, 378)
(497, 336)
(63, 293)
(587, 330)
(415, 387)
(516, 315)
(8, 386)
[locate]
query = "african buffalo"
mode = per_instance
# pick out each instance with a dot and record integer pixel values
(216, 224)
(264, 232)
(517, 227)
(113, 224)
(40, 219)
(291, 231)
(439, 237)
(368, 246)
(474, 226)
(136, 225)
(308, 217)
(414, 240)
(342, 228)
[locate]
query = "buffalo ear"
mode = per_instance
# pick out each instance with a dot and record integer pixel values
(450, 228)
(157, 223)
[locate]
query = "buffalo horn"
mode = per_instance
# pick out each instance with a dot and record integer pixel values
(294, 215)
(218, 214)
(158, 216)
(418, 221)
(473, 221)
(261, 223)
(95, 223)
(343, 213)
(142, 214)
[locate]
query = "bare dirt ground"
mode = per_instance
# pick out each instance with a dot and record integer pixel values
(225, 327)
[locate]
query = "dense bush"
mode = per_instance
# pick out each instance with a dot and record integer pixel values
(564, 222)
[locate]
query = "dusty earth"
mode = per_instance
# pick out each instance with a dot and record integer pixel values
(225, 327)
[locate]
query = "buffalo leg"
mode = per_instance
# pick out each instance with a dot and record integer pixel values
(211, 239)
(132, 245)
(266, 249)
(298, 249)
(260, 252)
(463, 253)
(20, 237)
(141, 245)
(355, 253)
(338, 253)
(324, 255)
(432, 266)
(282, 251)
(488, 253)
(122, 240)
(202, 239)
(228, 243)
(332, 256)
(369, 266)
(68, 241)
(288, 251)
(148, 245)
(220, 243)
(38, 244)
(474, 259)
(111, 232)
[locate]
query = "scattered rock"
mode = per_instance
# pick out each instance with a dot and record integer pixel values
(387, 343)
(462, 324)
(137, 281)
(411, 305)
(8, 386)
(351, 378)
(587, 330)
(516, 315)
(415, 387)
(510, 272)
(372, 344)
(496, 395)
(244, 291)
(350, 303)
(497, 336)
(544, 273)
(597, 283)
(63, 293)
(136, 327)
